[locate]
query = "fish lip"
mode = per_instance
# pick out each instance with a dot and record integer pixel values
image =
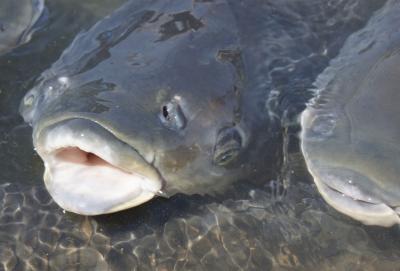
(63, 135)
(43, 148)
(345, 194)
(369, 213)
(379, 214)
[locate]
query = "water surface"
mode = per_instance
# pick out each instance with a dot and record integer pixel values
(282, 224)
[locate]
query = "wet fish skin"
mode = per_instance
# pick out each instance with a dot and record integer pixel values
(185, 87)
(17, 19)
(350, 130)
(167, 79)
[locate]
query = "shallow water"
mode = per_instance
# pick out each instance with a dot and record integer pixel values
(281, 225)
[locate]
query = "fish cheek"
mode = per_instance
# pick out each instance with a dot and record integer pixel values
(179, 158)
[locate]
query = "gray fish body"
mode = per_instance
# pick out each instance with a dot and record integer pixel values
(164, 97)
(17, 17)
(123, 79)
(350, 135)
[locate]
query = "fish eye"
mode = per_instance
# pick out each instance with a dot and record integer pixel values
(228, 146)
(172, 117)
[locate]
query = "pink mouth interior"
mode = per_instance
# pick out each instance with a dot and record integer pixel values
(78, 156)
(88, 171)
(83, 182)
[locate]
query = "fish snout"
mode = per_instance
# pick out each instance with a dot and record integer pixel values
(346, 190)
(89, 171)
(42, 95)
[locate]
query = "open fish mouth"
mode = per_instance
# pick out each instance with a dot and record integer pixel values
(89, 171)
(342, 194)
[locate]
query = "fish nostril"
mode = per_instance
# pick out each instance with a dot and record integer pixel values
(165, 112)
(27, 107)
(28, 100)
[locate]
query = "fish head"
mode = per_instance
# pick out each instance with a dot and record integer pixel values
(350, 134)
(147, 102)
(17, 21)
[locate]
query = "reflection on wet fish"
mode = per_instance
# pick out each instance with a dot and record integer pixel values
(246, 229)
(16, 21)
(170, 96)
(351, 135)
(150, 101)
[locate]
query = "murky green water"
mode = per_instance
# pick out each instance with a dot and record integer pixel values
(248, 228)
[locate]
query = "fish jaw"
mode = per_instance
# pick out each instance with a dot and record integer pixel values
(355, 203)
(89, 171)
(338, 184)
